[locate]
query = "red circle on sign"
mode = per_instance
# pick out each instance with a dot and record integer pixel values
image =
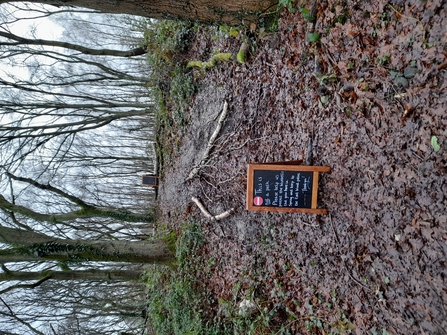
(258, 201)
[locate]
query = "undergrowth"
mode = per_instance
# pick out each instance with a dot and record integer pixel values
(170, 84)
(178, 304)
(178, 301)
(175, 302)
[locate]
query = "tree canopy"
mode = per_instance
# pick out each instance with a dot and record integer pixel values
(76, 134)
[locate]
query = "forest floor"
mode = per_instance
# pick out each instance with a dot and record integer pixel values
(376, 106)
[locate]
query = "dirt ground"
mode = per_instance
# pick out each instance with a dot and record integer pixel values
(376, 264)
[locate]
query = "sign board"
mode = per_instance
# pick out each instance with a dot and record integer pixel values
(150, 180)
(280, 187)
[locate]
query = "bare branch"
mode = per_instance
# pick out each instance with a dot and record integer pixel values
(25, 286)
(88, 51)
(14, 316)
(53, 189)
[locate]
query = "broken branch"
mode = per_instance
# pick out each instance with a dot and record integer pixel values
(207, 213)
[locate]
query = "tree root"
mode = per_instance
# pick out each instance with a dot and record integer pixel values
(208, 215)
(213, 137)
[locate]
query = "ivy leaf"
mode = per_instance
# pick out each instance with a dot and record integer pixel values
(306, 14)
(350, 325)
(434, 144)
(395, 74)
(313, 37)
(410, 72)
(324, 99)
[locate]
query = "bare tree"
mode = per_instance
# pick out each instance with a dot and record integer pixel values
(52, 248)
(31, 259)
(74, 307)
(75, 136)
(66, 112)
(42, 276)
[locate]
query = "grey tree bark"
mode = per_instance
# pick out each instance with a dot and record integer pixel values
(43, 247)
(233, 12)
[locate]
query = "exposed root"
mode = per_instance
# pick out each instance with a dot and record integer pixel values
(210, 145)
(208, 215)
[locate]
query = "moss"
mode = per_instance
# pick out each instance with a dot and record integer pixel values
(220, 57)
(270, 21)
(242, 54)
(63, 266)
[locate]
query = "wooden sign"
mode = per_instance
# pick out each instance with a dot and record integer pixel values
(150, 180)
(279, 187)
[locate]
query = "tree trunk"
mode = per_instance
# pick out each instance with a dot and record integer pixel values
(92, 274)
(45, 247)
(232, 12)
(85, 212)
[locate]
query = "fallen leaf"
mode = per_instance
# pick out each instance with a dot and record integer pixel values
(313, 37)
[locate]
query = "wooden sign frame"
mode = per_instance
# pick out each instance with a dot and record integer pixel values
(282, 168)
(149, 180)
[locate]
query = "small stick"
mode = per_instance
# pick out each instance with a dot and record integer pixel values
(309, 224)
(344, 263)
(309, 155)
(352, 277)
(208, 215)
(333, 229)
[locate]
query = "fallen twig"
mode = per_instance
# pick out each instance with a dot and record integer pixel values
(208, 215)
(210, 145)
(333, 229)
(411, 18)
(352, 277)
(309, 224)
(309, 155)
(344, 263)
